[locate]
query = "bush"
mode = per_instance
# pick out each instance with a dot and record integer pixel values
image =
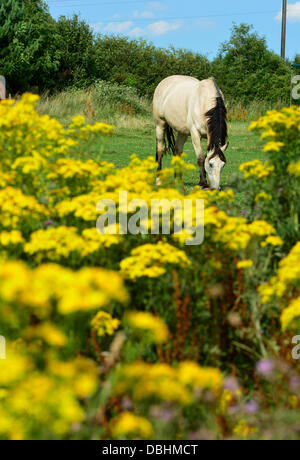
(274, 191)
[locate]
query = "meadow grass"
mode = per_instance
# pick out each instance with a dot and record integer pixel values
(135, 133)
(244, 146)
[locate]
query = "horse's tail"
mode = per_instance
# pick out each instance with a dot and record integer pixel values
(170, 140)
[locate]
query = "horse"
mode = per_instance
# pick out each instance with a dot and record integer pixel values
(192, 108)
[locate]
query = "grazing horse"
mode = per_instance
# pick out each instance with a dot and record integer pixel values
(192, 108)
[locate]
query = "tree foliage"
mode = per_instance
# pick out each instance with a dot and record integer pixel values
(141, 65)
(28, 43)
(78, 53)
(248, 70)
(36, 50)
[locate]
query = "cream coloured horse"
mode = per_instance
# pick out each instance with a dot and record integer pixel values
(192, 108)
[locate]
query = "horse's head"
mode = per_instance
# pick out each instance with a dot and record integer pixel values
(214, 163)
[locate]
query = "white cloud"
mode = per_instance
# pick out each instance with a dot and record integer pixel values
(138, 32)
(293, 13)
(153, 29)
(143, 14)
(126, 27)
(162, 27)
(97, 26)
(118, 27)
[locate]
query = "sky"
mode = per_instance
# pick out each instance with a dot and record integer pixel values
(196, 25)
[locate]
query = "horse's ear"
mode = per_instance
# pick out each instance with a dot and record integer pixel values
(225, 147)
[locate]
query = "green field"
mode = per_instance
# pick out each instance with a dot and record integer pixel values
(136, 134)
(244, 146)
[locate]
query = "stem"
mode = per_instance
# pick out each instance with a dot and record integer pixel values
(257, 326)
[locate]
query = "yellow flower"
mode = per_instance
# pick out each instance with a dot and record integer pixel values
(261, 228)
(147, 322)
(103, 324)
(225, 401)
(245, 264)
(14, 367)
(272, 241)
(257, 169)
(72, 291)
(48, 332)
(54, 243)
(290, 314)
(192, 374)
(243, 430)
(130, 425)
(273, 146)
(287, 277)
(150, 260)
(18, 209)
(144, 381)
(11, 238)
(294, 168)
(263, 196)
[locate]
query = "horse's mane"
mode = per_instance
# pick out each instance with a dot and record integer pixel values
(217, 126)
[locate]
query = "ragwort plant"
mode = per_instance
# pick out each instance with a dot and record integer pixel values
(135, 336)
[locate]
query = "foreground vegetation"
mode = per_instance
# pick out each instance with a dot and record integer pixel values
(141, 336)
(40, 53)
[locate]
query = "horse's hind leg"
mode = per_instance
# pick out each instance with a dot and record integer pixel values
(160, 143)
(179, 146)
(200, 157)
(181, 140)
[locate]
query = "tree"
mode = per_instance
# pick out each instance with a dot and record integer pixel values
(247, 70)
(77, 64)
(29, 45)
(140, 64)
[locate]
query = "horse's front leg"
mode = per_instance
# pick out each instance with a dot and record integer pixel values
(196, 139)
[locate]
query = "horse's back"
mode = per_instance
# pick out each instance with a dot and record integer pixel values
(176, 100)
(173, 85)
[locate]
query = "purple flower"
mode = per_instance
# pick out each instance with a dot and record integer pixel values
(294, 383)
(243, 212)
(231, 384)
(193, 436)
(48, 223)
(164, 413)
(265, 367)
(251, 407)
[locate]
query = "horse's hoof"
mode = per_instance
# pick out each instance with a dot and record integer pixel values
(204, 187)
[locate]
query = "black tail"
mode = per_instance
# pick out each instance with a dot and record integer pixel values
(170, 140)
(217, 124)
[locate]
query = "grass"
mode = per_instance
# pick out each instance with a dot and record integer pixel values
(135, 132)
(244, 146)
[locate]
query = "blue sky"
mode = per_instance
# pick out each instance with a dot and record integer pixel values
(193, 24)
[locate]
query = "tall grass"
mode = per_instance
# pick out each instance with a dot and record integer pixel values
(250, 112)
(123, 107)
(112, 103)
